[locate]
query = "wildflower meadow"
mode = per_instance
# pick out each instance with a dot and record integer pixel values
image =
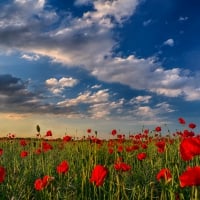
(150, 165)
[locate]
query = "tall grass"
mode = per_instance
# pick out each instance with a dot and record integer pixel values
(139, 183)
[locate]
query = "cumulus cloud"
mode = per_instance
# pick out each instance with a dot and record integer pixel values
(98, 104)
(169, 42)
(56, 86)
(151, 114)
(87, 98)
(141, 99)
(181, 18)
(30, 57)
(89, 44)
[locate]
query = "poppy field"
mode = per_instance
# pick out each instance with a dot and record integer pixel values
(151, 165)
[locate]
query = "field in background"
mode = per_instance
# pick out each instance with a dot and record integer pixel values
(146, 165)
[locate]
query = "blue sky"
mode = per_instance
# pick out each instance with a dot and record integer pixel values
(73, 65)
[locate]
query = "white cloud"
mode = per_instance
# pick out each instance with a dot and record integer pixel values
(99, 103)
(183, 18)
(150, 114)
(56, 86)
(96, 86)
(145, 112)
(87, 98)
(169, 42)
(119, 9)
(140, 99)
(82, 2)
(30, 57)
(147, 22)
(191, 94)
(31, 4)
(164, 107)
(103, 110)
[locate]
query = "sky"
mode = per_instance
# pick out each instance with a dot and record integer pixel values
(119, 64)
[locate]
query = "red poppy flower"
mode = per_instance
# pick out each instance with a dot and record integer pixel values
(135, 147)
(97, 140)
(46, 179)
(48, 133)
(114, 132)
(1, 152)
(120, 148)
(164, 174)
(38, 151)
(89, 130)
(46, 146)
(110, 150)
(40, 184)
(111, 143)
(129, 149)
(121, 166)
(99, 174)
(192, 125)
(191, 177)
(181, 120)
(146, 131)
(141, 156)
(158, 129)
(2, 174)
(67, 138)
(23, 154)
(189, 148)
(63, 167)
(144, 146)
(23, 142)
(161, 146)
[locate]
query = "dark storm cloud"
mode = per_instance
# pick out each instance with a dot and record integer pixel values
(10, 84)
(15, 96)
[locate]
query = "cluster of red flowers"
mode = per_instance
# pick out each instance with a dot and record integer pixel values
(121, 166)
(160, 146)
(41, 183)
(190, 177)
